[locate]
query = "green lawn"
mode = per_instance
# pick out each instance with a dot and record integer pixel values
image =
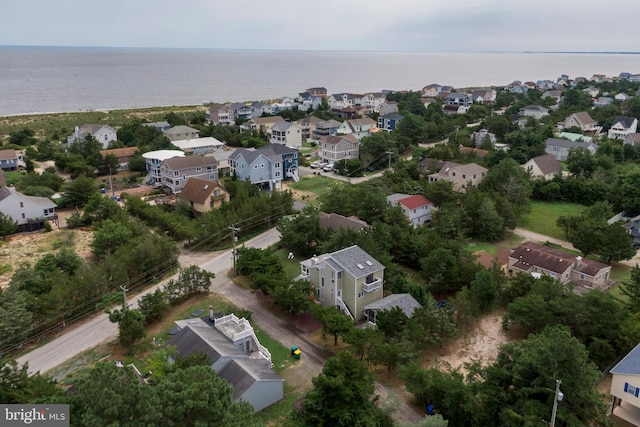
(291, 266)
(543, 215)
(317, 184)
(492, 248)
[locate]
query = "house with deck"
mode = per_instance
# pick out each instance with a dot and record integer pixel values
(389, 122)
(325, 128)
(153, 160)
(625, 388)
(622, 126)
(11, 160)
(176, 170)
(265, 166)
(460, 175)
(348, 279)
(358, 127)
(339, 147)
(404, 302)
(581, 120)
(235, 353)
(220, 115)
(286, 133)
(29, 212)
(533, 258)
(260, 124)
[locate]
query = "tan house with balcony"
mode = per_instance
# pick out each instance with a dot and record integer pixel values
(461, 176)
(349, 279)
(203, 195)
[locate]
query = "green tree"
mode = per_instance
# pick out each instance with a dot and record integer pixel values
(341, 396)
(333, 321)
(78, 191)
(130, 325)
(7, 225)
(301, 233)
(523, 378)
(109, 237)
(484, 290)
(153, 305)
(580, 161)
(199, 398)
(294, 297)
(15, 317)
(631, 289)
(17, 386)
(111, 395)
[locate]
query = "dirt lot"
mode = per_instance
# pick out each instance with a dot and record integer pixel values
(30, 247)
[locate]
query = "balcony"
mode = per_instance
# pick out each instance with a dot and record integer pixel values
(372, 286)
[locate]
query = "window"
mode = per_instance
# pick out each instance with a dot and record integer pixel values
(277, 165)
(176, 173)
(198, 169)
(23, 217)
(21, 204)
(369, 278)
(464, 176)
(360, 294)
(255, 166)
(322, 281)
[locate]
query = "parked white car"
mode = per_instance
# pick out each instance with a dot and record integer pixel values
(328, 168)
(315, 164)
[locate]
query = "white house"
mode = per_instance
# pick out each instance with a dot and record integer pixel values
(535, 111)
(104, 134)
(29, 212)
(622, 126)
(416, 208)
(199, 145)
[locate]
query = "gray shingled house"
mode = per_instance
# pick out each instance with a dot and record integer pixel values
(235, 353)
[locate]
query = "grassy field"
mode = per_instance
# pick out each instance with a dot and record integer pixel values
(492, 248)
(317, 184)
(543, 215)
(57, 126)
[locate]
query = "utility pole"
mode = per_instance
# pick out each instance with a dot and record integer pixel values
(234, 230)
(557, 398)
(389, 153)
(124, 297)
(111, 183)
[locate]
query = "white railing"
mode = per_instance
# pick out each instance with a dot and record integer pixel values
(247, 332)
(373, 286)
(344, 307)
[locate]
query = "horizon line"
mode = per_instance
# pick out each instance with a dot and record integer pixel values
(585, 52)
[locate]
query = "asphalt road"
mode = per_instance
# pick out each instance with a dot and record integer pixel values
(99, 329)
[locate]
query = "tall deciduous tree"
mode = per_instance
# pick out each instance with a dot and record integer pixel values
(7, 225)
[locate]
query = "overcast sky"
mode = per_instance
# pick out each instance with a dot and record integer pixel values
(371, 25)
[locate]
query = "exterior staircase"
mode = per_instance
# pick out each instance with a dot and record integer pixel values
(239, 331)
(344, 308)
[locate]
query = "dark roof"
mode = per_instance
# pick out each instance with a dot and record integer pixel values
(4, 193)
(186, 162)
(404, 301)
(3, 179)
(547, 164)
(336, 221)
(196, 339)
(336, 139)
(356, 261)
(199, 190)
(530, 254)
(630, 364)
(241, 374)
(565, 143)
(273, 152)
(627, 122)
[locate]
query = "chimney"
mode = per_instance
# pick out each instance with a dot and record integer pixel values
(578, 261)
(211, 313)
